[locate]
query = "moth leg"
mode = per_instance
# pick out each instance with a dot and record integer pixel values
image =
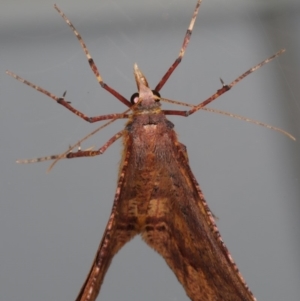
(100, 151)
(86, 153)
(64, 103)
(224, 88)
(92, 63)
(185, 43)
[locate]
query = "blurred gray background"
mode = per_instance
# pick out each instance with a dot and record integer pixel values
(51, 224)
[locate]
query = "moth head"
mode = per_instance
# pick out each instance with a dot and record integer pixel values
(145, 94)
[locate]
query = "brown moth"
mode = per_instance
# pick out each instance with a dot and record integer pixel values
(157, 194)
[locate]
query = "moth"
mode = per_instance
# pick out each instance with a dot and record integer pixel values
(157, 194)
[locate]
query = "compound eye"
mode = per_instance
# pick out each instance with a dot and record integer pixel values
(134, 98)
(156, 94)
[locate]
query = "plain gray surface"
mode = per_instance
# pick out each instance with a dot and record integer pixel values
(51, 224)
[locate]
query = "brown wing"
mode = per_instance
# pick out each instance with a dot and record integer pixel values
(181, 228)
(119, 230)
(158, 196)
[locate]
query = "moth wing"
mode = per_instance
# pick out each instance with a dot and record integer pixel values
(119, 230)
(183, 231)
